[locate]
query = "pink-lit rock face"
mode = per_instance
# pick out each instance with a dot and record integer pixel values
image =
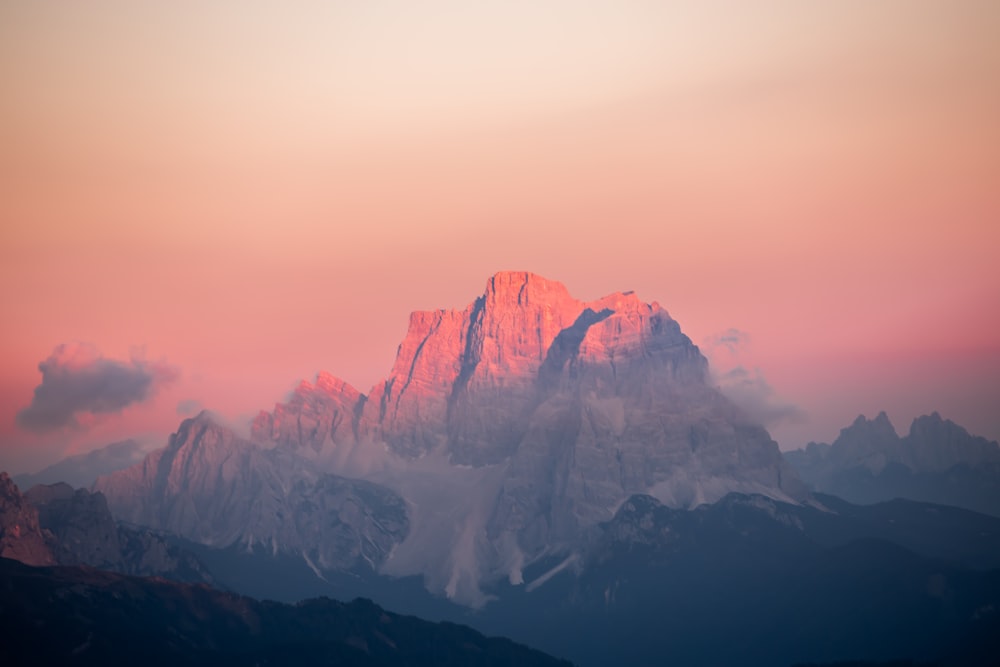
(316, 414)
(585, 403)
(468, 381)
(503, 432)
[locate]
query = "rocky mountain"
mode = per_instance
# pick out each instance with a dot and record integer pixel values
(83, 469)
(213, 487)
(21, 538)
(563, 472)
(61, 616)
(542, 413)
(54, 524)
(937, 461)
(81, 531)
(504, 432)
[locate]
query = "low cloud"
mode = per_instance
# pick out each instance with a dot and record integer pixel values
(78, 381)
(732, 339)
(752, 392)
(729, 354)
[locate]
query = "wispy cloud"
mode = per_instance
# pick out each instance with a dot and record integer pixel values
(752, 392)
(732, 339)
(78, 380)
(749, 389)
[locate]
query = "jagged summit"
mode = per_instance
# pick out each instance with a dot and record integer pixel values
(937, 461)
(465, 381)
(880, 427)
(509, 427)
(933, 444)
(881, 422)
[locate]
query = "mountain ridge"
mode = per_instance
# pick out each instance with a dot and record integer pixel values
(507, 428)
(937, 461)
(63, 615)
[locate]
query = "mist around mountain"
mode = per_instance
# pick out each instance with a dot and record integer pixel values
(504, 433)
(780, 583)
(564, 474)
(937, 461)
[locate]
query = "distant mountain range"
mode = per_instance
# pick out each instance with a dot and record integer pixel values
(938, 461)
(562, 473)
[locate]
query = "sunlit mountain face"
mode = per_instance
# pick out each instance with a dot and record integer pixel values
(505, 432)
(249, 353)
(203, 206)
(561, 472)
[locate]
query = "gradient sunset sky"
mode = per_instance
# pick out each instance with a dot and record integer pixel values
(210, 201)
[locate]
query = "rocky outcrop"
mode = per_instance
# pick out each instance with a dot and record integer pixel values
(935, 445)
(314, 416)
(213, 487)
(83, 529)
(21, 538)
(870, 443)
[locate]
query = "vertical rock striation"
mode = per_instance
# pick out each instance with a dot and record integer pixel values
(549, 410)
(211, 486)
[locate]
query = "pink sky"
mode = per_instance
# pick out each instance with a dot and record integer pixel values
(250, 192)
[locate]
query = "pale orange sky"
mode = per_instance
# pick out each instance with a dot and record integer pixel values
(254, 191)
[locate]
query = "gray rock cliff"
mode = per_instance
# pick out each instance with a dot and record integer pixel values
(503, 433)
(212, 487)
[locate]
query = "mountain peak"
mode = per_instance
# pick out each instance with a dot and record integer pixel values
(505, 282)
(538, 412)
(880, 426)
(936, 444)
(933, 445)
(518, 290)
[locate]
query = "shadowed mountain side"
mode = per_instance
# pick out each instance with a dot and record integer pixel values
(81, 531)
(750, 581)
(54, 524)
(82, 616)
(21, 536)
